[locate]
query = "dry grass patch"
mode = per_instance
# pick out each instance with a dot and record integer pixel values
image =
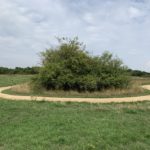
(22, 88)
(140, 81)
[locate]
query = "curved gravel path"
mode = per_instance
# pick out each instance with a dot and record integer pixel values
(90, 100)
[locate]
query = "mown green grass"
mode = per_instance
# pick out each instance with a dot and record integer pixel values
(74, 126)
(8, 80)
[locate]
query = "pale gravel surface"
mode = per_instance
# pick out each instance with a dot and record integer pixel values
(90, 100)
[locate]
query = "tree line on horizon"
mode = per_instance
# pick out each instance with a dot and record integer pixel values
(20, 70)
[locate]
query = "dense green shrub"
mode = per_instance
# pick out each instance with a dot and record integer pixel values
(70, 67)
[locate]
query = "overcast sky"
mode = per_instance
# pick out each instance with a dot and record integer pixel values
(30, 26)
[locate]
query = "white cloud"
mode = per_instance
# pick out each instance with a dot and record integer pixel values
(135, 12)
(148, 64)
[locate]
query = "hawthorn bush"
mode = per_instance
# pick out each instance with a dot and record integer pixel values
(70, 67)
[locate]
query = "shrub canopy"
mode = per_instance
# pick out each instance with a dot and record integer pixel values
(70, 67)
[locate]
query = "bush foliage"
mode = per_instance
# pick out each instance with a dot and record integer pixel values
(70, 67)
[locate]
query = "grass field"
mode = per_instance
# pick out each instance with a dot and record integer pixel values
(74, 126)
(8, 80)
